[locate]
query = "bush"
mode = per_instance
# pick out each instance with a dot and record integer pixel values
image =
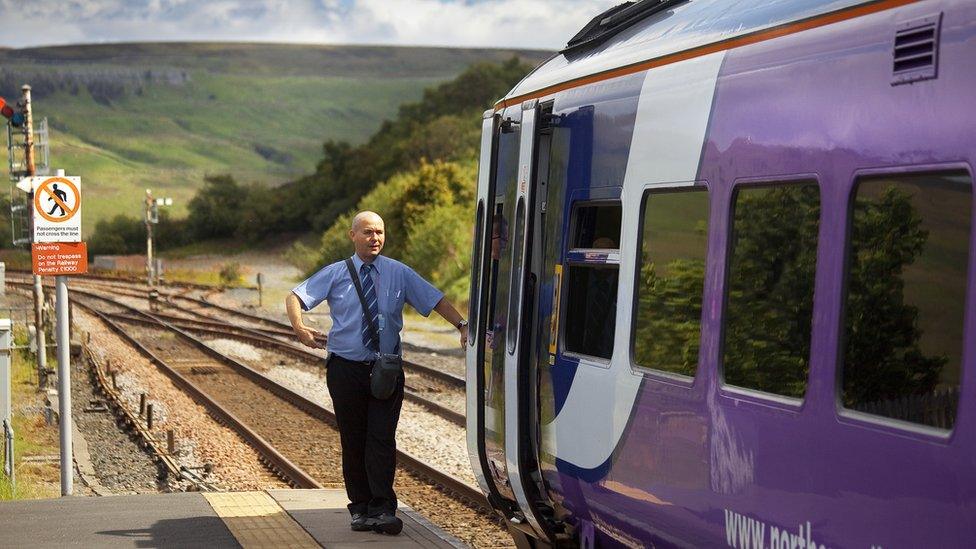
(230, 273)
(121, 235)
(439, 248)
(428, 225)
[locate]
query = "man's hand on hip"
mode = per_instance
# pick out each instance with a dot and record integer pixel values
(311, 337)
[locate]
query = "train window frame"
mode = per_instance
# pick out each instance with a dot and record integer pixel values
(874, 422)
(658, 374)
(585, 258)
(785, 403)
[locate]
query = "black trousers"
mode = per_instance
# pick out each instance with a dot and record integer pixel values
(367, 430)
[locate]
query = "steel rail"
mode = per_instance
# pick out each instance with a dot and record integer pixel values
(287, 331)
(409, 394)
(445, 377)
(278, 463)
(440, 375)
(162, 457)
(459, 488)
(137, 280)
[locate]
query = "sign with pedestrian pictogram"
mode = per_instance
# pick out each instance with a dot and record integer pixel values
(59, 258)
(57, 209)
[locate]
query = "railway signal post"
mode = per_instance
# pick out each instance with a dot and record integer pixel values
(152, 218)
(57, 250)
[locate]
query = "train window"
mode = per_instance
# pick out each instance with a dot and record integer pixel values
(670, 280)
(597, 226)
(908, 254)
(591, 309)
(515, 293)
(769, 290)
(476, 268)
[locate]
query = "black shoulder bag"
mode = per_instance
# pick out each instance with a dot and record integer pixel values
(386, 370)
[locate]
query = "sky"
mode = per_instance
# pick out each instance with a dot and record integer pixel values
(544, 24)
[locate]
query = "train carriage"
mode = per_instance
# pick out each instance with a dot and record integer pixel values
(722, 282)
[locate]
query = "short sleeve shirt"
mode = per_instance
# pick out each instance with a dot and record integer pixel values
(395, 284)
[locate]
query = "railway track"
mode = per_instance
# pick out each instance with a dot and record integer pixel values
(217, 328)
(306, 453)
(412, 393)
(270, 328)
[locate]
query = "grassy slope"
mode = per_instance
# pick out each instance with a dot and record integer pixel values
(207, 108)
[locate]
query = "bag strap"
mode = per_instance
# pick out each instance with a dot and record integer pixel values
(374, 331)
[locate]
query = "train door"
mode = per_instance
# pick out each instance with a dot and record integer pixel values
(502, 376)
(491, 278)
(521, 369)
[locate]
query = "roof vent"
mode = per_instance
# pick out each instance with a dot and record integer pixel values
(614, 20)
(916, 52)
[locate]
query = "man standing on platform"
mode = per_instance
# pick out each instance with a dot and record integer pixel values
(367, 425)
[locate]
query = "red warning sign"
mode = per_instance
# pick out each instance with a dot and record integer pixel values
(59, 258)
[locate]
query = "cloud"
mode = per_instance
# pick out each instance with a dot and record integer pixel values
(546, 24)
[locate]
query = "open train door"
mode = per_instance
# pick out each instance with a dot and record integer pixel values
(521, 360)
(502, 380)
(484, 407)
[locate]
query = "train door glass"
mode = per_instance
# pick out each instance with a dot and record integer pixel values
(498, 287)
(515, 294)
(473, 297)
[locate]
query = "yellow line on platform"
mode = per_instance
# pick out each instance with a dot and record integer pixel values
(257, 521)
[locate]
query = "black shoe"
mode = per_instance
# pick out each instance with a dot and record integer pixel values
(359, 523)
(387, 523)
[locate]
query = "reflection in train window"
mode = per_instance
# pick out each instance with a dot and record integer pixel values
(906, 295)
(591, 309)
(769, 289)
(670, 280)
(597, 226)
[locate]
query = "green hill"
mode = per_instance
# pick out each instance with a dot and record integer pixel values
(127, 117)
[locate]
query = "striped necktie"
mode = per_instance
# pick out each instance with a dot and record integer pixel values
(369, 293)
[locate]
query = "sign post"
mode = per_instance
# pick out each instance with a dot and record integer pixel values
(57, 250)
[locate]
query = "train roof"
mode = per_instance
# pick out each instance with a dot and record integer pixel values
(666, 28)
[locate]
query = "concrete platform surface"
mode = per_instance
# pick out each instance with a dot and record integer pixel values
(275, 519)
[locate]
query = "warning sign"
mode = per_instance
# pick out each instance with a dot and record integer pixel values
(59, 258)
(57, 209)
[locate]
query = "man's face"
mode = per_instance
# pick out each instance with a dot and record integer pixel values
(368, 236)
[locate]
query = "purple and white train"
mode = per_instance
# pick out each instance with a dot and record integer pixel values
(723, 280)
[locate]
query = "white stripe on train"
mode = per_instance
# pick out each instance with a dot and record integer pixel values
(669, 134)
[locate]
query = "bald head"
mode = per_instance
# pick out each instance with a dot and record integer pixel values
(368, 235)
(365, 216)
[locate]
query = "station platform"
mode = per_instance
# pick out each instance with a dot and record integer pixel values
(275, 519)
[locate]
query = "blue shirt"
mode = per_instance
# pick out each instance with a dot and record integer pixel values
(395, 284)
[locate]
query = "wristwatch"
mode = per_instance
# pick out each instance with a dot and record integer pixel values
(461, 324)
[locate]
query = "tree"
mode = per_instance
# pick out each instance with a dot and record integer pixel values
(441, 126)
(215, 209)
